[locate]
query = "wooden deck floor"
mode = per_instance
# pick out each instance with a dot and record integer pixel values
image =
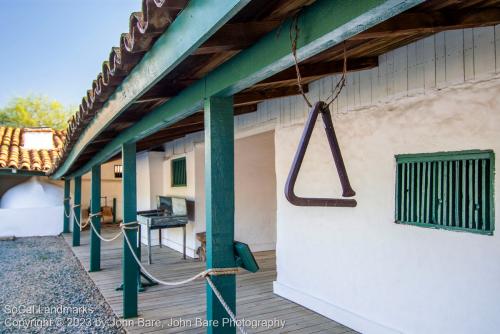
(255, 298)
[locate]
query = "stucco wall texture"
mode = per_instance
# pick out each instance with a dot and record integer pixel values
(356, 265)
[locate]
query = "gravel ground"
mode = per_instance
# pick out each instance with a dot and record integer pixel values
(44, 289)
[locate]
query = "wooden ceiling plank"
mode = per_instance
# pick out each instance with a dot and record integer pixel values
(431, 22)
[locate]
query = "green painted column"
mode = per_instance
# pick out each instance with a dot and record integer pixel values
(67, 202)
(77, 203)
(219, 197)
(130, 267)
(95, 207)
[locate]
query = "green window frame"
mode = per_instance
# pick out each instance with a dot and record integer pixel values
(446, 190)
(179, 176)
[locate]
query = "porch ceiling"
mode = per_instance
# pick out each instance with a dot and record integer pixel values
(257, 19)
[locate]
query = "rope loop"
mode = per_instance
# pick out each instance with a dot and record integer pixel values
(294, 36)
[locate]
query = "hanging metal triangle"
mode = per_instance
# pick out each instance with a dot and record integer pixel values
(347, 191)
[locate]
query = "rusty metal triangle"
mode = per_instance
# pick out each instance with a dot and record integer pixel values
(347, 191)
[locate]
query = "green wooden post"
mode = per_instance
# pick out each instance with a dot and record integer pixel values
(77, 219)
(130, 267)
(219, 194)
(95, 207)
(67, 210)
(114, 210)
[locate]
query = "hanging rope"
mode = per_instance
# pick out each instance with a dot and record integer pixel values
(341, 84)
(92, 215)
(294, 35)
(67, 214)
(224, 304)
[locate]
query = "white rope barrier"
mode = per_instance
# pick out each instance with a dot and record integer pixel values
(97, 233)
(224, 304)
(204, 274)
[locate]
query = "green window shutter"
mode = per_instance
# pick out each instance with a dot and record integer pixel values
(451, 190)
(179, 178)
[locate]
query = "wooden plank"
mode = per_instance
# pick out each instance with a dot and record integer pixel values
(445, 193)
(412, 187)
(454, 41)
(468, 36)
(450, 193)
(457, 194)
(440, 193)
(476, 193)
(484, 195)
(424, 193)
(408, 190)
(440, 53)
(484, 51)
(429, 63)
(470, 187)
(401, 71)
(418, 193)
(465, 222)
(429, 194)
(497, 47)
(402, 192)
(390, 80)
(365, 88)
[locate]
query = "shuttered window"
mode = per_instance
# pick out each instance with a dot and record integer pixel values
(179, 172)
(452, 190)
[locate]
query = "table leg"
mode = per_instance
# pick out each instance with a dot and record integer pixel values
(139, 241)
(149, 246)
(184, 242)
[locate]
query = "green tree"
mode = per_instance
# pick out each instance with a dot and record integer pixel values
(35, 111)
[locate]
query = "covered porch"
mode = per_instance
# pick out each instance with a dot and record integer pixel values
(180, 309)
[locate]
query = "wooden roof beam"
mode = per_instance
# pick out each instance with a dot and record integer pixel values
(431, 22)
(236, 36)
(323, 24)
(253, 96)
(321, 69)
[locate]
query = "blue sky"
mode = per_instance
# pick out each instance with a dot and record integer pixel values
(56, 47)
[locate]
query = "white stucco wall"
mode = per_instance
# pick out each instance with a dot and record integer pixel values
(355, 265)
(32, 208)
(173, 237)
(111, 187)
(29, 222)
(255, 191)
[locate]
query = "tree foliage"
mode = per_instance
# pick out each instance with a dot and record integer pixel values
(35, 111)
